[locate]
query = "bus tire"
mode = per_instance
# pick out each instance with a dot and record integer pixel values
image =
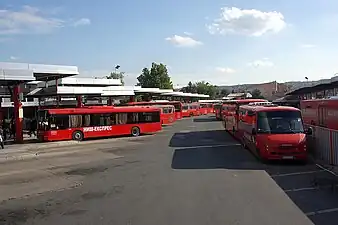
(135, 131)
(77, 136)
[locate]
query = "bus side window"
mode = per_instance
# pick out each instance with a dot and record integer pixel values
(75, 121)
(86, 120)
(58, 122)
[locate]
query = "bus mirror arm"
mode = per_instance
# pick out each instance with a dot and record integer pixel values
(253, 131)
(309, 131)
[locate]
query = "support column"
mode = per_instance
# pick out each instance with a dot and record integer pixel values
(110, 101)
(18, 114)
(79, 101)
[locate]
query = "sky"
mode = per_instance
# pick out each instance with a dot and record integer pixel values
(222, 42)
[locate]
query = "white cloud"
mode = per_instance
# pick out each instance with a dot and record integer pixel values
(307, 46)
(82, 22)
(32, 20)
(28, 19)
(13, 58)
(188, 33)
(225, 70)
(183, 41)
(261, 63)
(250, 22)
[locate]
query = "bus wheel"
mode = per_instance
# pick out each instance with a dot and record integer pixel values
(135, 131)
(77, 136)
(260, 158)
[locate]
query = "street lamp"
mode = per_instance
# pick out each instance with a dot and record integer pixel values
(116, 68)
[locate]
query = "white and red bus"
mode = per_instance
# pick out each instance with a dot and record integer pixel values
(93, 122)
(320, 112)
(167, 114)
(230, 112)
(273, 132)
(176, 104)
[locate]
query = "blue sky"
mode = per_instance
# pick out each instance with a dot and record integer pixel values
(222, 42)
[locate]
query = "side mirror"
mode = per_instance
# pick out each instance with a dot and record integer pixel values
(309, 131)
(253, 132)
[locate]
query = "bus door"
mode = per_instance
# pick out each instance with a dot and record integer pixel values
(231, 118)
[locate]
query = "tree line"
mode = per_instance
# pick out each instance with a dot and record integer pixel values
(157, 76)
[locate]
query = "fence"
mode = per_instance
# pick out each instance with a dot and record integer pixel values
(323, 144)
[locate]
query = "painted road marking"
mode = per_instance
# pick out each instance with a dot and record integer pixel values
(297, 173)
(322, 211)
(209, 146)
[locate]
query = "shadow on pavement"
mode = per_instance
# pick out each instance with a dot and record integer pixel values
(205, 119)
(201, 138)
(309, 187)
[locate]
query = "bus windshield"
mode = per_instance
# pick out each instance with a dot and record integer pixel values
(279, 122)
(177, 107)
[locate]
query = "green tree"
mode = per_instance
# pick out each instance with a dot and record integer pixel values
(155, 77)
(206, 89)
(256, 93)
(190, 88)
(224, 92)
(117, 75)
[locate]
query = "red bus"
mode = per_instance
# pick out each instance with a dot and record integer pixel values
(195, 109)
(230, 112)
(176, 104)
(320, 112)
(273, 132)
(205, 108)
(217, 111)
(167, 114)
(88, 122)
(186, 111)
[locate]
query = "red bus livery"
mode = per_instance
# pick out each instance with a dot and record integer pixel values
(320, 112)
(230, 112)
(88, 122)
(176, 104)
(167, 114)
(273, 132)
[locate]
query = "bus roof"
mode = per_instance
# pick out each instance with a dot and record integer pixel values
(259, 108)
(104, 109)
(153, 103)
(246, 100)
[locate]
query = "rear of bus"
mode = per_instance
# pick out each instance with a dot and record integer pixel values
(178, 109)
(217, 111)
(186, 110)
(279, 134)
(231, 113)
(167, 114)
(204, 108)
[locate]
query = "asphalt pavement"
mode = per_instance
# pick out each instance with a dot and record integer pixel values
(190, 173)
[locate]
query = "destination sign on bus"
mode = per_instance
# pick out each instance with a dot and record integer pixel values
(101, 128)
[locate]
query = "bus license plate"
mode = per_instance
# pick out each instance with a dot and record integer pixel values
(287, 157)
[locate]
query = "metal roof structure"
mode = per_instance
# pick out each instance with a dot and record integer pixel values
(324, 85)
(183, 94)
(26, 72)
(76, 81)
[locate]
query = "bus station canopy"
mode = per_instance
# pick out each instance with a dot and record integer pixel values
(13, 73)
(79, 81)
(183, 94)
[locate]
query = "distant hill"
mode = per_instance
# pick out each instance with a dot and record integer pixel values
(292, 85)
(273, 89)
